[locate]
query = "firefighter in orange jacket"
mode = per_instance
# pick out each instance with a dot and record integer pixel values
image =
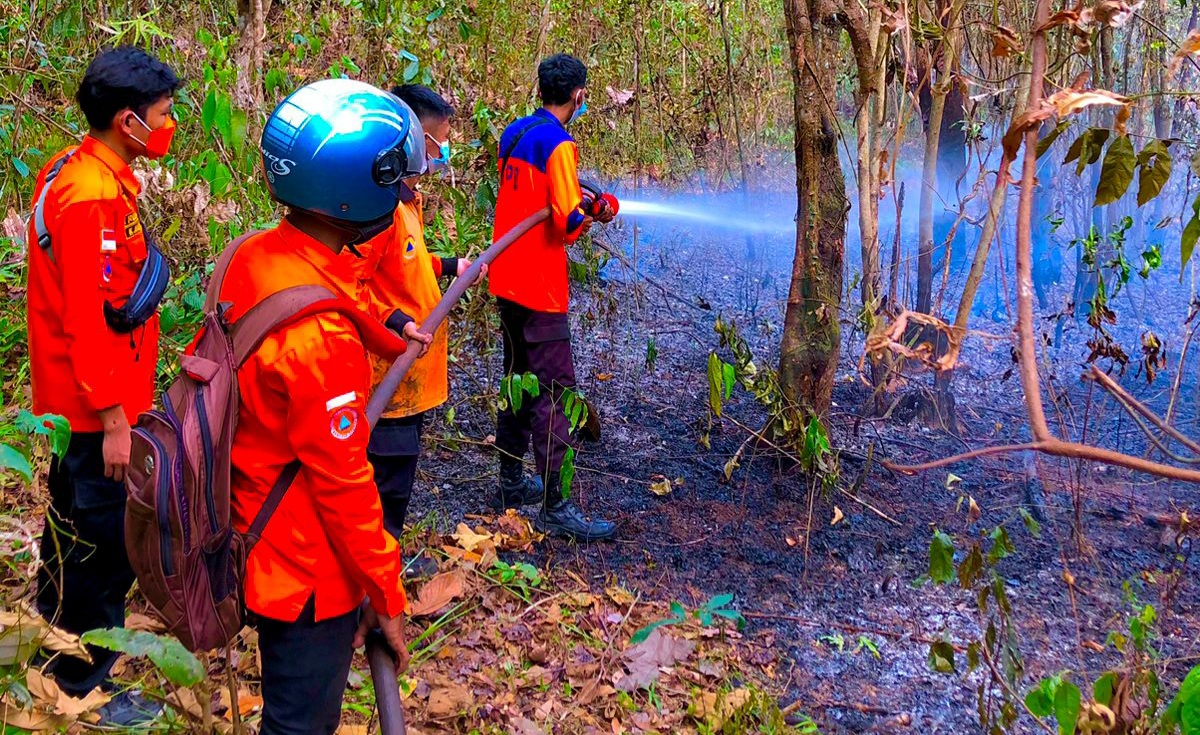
(395, 268)
(95, 281)
(303, 396)
(539, 167)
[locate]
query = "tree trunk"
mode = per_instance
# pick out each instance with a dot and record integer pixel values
(811, 335)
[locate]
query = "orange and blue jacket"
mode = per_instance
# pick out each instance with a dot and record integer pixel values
(542, 168)
(303, 396)
(396, 269)
(79, 366)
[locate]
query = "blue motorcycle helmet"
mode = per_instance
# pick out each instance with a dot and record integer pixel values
(336, 149)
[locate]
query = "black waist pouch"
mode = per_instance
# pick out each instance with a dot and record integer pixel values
(148, 292)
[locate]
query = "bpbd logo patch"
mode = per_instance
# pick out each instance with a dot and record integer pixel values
(343, 423)
(410, 248)
(132, 225)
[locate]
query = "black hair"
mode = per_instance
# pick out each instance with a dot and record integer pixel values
(428, 105)
(119, 78)
(559, 76)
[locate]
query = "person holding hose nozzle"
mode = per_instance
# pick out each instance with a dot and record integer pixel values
(303, 398)
(395, 268)
(538, 167)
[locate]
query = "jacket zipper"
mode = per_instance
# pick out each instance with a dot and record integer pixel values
(206, 441)
(163, 508)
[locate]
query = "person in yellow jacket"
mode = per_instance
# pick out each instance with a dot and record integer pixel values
(395, 268)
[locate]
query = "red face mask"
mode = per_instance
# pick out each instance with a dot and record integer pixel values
(158, 142)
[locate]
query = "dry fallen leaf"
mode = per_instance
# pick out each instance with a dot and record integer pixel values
(646, 658)
(715, 708)
(1069, 101)
(660, 485)
(354, 730)
(1190, 47)
(470, 540)
(23, 631)
(619, 595)
(604, 377)
(619, 97)
(30, 720)
(448, 701)
(138, 621)
(437, 593)
(1006, 43)
(837, 518)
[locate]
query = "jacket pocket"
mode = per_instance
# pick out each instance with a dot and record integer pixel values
(546, 327)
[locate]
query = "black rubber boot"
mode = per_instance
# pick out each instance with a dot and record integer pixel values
(516, 488)
(560, 517)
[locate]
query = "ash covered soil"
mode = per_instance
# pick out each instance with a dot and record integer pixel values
(802, 582)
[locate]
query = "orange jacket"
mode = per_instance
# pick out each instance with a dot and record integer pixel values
(542, 169)
(303, 396)
(79, 366)
(396, 270)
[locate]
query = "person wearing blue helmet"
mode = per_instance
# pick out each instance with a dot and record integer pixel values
(334, 154)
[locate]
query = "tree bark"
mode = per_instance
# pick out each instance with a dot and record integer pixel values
(811, 335)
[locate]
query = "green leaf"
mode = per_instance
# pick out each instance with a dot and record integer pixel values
(1066, 707)
(209, 112)
(435, 14)
(1031, 524)
(21, 167)
(714, 383)
(643, 633)
(1001, 545)
(1154, 170)
(1102, 690)
(729, 374)
(1117, 172)
(1045, 143)
(1038, 703)
(172, 659)
(567, 472)
(719, 602)
(1086, 148)
(530, 383)
(1191, 232)
(50, 425)
(941, 558)
(970, 568)
(941, 657)
(410, 71)
(237, 130)
(12, 459)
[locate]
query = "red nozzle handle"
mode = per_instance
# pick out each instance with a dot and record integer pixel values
(610, 202)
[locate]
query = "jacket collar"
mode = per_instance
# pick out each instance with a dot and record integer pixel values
(107, 156)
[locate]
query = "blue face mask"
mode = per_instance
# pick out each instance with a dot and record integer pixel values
(578, 113)
(443, 159)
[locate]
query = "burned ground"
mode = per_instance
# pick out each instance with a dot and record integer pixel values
(819, 595)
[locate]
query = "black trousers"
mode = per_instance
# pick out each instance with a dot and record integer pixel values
(540, 343)
(394, 449)
(304, 670)
(85, 573)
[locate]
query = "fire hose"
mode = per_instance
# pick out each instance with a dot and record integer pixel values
(379, 654)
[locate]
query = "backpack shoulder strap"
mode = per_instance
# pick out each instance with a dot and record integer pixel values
(506, 154)
(287, 307)
(213, 295)
(40, 229)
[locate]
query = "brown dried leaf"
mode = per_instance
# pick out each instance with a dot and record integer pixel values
(138, 621)
(448, 701)
(1114, 13)
(646, 658)
(619, 97)
(525, 726)
(892, 20)
(660, 485)
(31, 720)
(1071, 101)
(23, 631)
(837, 518)
(437, 593)
(1006, 43)
(715, 709)
(1190, 47)
(470, 540)
(619, 595)
(1066, 17)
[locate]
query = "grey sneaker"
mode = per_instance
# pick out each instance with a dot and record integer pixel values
(127, 710)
